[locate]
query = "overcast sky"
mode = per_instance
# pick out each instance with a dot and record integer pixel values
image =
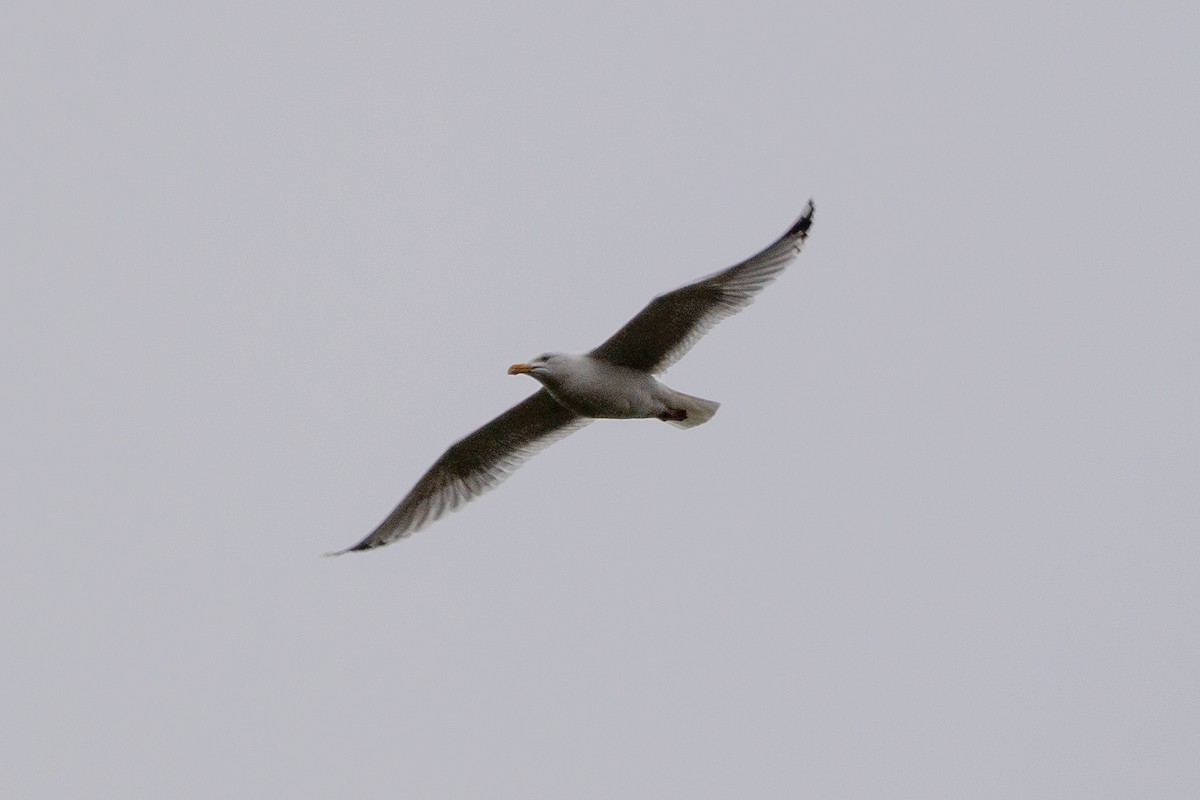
(264, 263)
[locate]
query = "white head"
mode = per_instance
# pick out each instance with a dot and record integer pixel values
(545, 368)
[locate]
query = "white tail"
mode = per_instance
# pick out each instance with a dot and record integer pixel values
(698, 410)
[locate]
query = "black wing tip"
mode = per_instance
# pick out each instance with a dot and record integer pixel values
(366, 544)
(801, 226)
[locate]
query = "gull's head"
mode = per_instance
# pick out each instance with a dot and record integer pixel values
(541, 367)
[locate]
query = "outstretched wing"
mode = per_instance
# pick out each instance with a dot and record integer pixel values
(476, 463)
(668, 327)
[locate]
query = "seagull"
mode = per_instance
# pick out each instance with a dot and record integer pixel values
(613, 381)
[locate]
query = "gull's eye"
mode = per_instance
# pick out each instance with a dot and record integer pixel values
(544, 357)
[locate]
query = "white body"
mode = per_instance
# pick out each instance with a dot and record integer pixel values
(600, 390)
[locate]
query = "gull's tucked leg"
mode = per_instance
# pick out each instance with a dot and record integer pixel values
(686, 411)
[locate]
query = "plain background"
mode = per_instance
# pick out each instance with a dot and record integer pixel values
(264, 262)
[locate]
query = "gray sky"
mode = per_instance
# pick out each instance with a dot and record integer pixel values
(264, 264)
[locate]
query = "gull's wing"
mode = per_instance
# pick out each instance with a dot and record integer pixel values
(667, 328)
(476, 463)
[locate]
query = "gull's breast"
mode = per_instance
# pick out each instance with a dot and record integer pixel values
(598, 389)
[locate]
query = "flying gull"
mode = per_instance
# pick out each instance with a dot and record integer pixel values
(614, 381)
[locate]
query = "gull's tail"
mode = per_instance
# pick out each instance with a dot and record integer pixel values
(688, 411)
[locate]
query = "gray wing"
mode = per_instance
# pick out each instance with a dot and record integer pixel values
(668, 327)
(478, 462)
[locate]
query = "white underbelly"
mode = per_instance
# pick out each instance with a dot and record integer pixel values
(612, 393)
